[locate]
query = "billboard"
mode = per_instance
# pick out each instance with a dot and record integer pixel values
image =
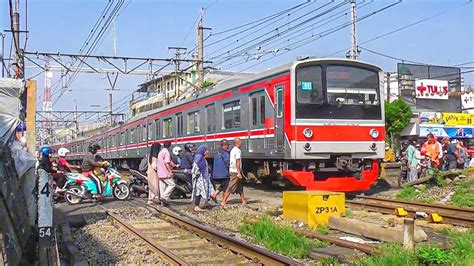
(447, 119)
(467, 102)
(431, 89)
(450, 132)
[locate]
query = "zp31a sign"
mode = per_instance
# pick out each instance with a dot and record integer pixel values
(431, 89)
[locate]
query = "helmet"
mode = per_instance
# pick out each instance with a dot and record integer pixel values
(176, 150)
(189, 146)
(62, 152)
(93, 148)
(46, 151)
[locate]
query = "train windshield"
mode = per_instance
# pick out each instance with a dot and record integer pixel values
(337, 92)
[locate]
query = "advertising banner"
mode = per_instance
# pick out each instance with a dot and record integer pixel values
(450, 132)
(431, 89)
(467, 102)
(448, 119)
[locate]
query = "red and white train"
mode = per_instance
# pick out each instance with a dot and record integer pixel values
(319, 123)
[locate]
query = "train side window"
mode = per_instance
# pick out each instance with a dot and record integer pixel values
(253, 105)
(180, 124)
(138, 133)
(122, 138)
(262, 109)
(231, 114)
(157, 129)
(150, 131)
(167, 127)
(211, 118)
(193, 122)
(279, 100)
(144, 132)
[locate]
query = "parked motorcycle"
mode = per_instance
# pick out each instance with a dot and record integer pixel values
(81, 187)
(184, 185)
(138, 183)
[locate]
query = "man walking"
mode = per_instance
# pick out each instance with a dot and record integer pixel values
(452, 153)
(165, 175)
(220, 171)
(235, 171)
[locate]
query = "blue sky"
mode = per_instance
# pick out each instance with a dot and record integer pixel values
(146, 28)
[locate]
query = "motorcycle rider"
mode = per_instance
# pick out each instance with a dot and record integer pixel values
(89, 163)
(187, 161)
(175, 157)
(63, 164)
(45, 161)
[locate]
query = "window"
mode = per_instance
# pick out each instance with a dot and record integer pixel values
(193, 122)
(309, 89)
(132, 135)
(157, 128)
(262, 109)
(144, 132)
(231, 113)
(180, 124)
(150, 131)
(167, 127)
(211, 118)
(254, 111)
(121, 139)
(279, 100)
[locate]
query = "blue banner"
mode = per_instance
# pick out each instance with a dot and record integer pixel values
(450, 132)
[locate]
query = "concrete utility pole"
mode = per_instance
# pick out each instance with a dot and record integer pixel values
(177, 55)
(388, 87)
(200, 47)
(16, 40)
(353, 53)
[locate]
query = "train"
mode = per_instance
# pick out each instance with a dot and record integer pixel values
(316, 123)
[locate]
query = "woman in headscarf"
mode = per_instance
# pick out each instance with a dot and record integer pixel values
(202, 187)
(153, 182)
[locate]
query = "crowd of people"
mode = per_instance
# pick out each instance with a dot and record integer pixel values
(445, 155)
(225, 176)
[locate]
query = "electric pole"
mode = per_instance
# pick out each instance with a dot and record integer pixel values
(200, 47)
(388, 87)
(16, 40)
(177, 55)
(353, 53)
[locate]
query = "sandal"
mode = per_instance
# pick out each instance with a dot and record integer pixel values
(198, 209)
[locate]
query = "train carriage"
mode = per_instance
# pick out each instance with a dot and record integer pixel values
(319, 123)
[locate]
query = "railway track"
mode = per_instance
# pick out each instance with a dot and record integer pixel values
(182, 241)
(450, 214)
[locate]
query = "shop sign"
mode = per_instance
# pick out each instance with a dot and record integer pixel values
(449, 119)
(431, 89)
(450, 132)
(467, 101)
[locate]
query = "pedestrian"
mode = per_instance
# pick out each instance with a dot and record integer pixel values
(187, 159)
(220, 169)
(165, 174)
(235, 172)
(433, 149)
(153, 182)
(463, 160)
(452, 154)
(202, 187)
(412, 161)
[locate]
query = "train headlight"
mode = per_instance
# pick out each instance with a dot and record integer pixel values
(307, 146)
(308, 133)
(374, 133)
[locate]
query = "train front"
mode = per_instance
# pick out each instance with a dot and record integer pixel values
(337, 127)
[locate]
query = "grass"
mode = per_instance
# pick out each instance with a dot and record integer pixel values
(348, 213)
(460, 252)
(408, 193)
(280, 238)
(322, 230)
(464, 194)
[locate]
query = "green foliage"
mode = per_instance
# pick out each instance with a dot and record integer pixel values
(348, 213)
(322, 230)
(433, 256)
(461, 247)
(440, 179)
(390, 255)
(464, 194)
(206, 84)
(280, 238)
(397, 116)
(408, 193)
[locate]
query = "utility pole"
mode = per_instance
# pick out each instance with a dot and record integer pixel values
(16, 40)
(3, 54)
(200, 47)
(177, 55)
(112, 88)
(388, 87)
(353, 53)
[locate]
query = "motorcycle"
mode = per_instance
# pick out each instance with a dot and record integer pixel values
(403, 169)
(82, 187)
(184, 185)
(138, 183)
(427, 167)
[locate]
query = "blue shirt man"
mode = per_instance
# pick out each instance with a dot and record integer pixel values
(220, 169)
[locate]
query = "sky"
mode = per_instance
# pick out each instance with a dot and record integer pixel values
(146, 28)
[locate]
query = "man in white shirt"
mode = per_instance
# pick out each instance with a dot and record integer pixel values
(235, 171)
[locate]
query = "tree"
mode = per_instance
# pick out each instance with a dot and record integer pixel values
(397, 117)
(206, 84)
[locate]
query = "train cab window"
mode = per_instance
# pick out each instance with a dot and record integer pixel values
(262, 109)
(211, 118)
(279, 100)
(167, 127)
(180, 124)
(193, 122)
(231, 115)
(309, 89)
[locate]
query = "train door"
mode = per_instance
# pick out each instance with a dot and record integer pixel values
(256, 139)
(279, 120)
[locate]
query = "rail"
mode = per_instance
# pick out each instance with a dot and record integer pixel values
(450, 214)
